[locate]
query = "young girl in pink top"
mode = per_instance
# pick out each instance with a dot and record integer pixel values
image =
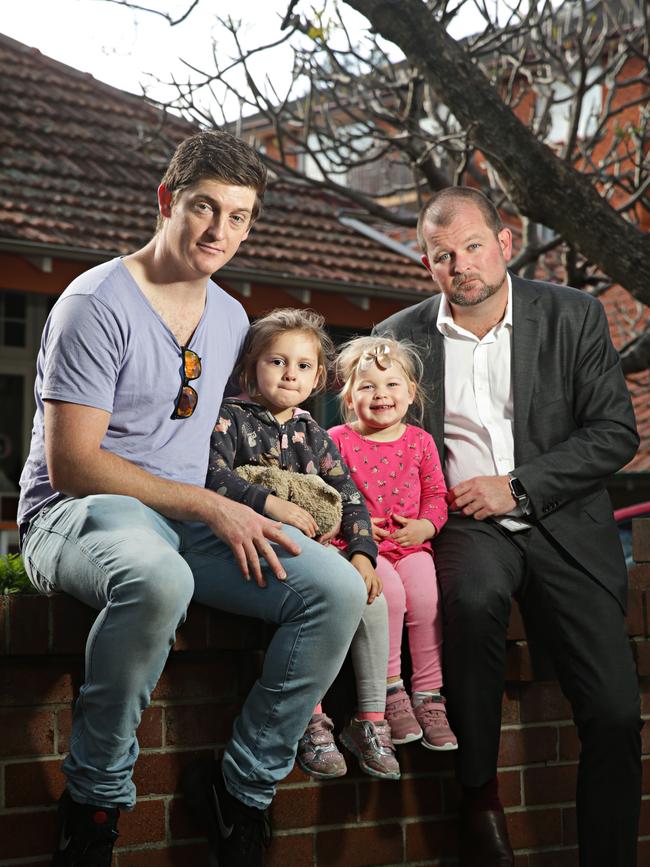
(396, 467)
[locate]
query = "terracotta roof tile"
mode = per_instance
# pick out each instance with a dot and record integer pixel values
(80, 162)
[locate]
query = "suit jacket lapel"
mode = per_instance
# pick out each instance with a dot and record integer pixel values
(524, 356)
(430, 344)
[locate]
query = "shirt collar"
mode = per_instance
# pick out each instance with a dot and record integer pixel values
(445, 320)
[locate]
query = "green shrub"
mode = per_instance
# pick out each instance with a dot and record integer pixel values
(13, 578)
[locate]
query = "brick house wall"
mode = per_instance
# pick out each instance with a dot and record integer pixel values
(351, 822)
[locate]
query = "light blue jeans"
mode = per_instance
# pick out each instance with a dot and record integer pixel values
(140, 570)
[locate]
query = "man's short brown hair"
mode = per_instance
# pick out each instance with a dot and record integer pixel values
(218, 156)
(441, 210)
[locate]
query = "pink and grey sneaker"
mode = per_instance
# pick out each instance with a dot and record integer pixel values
(371, 743)
(318, 754)
(432, 716)
(403, 725)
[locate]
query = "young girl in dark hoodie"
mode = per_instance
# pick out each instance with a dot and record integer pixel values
(285, 360)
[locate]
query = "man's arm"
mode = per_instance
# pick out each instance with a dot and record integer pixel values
(79, 467)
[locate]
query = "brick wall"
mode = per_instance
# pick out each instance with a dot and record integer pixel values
(352, 821)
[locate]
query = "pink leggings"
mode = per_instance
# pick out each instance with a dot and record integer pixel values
(411, 591)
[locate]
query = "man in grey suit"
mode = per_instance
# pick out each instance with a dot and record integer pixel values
(531, 415)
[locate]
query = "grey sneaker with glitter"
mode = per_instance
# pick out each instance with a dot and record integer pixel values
(371, 743)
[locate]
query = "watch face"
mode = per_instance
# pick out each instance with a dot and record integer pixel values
(517, 489)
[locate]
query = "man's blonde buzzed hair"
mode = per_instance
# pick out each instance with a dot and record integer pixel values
(442, 207)
(264, 331)
(400, 351)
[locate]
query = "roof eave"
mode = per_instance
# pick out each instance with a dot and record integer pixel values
(257, 275)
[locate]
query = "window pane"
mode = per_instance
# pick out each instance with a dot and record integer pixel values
(15, 305)
(14, 334)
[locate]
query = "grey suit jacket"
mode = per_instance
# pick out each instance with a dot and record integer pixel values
(573, 419)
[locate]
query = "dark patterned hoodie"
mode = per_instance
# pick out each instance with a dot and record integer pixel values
(247, 433)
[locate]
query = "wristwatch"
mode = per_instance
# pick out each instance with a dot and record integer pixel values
(517, 490)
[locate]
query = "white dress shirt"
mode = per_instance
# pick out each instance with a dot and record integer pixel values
(479, 413)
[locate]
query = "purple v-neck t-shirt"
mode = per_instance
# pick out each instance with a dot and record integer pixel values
(105, 346)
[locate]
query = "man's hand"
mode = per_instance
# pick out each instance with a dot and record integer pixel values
(372, 581)
(379, 533)
(249, 535)
(482, 497)
(289, 513)
(414, 531)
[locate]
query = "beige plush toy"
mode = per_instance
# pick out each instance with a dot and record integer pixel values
(309, 492)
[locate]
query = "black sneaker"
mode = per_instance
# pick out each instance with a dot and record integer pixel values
(87, 834)
(237, 834)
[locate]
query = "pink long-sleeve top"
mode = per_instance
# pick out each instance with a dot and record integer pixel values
(402, 477)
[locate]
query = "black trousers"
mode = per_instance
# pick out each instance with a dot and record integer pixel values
(480, 568)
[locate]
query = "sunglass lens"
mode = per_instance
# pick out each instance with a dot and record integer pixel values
(192, 365)
(186, 402)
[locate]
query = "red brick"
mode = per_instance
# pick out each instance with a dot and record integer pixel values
(530, 829)
(27, 732)
(516, 627)
(569, 826)
(292, 850)
(28, 624)
(510, 788)
(635, 619)
(229, 631)
(32, 784)
(193, 634)
(431, 840)
(26, 835)
(418, 796)
(71, 622)
(52, 681)
(150, 730)
(645, 769)
(510, 705)
(639, 576)
(144, 824)
(414, 759)
(360, 847)
(644, 821)
(195, 853)
(543, 702)
(641, 650)
(63, 729)
(569, 744)
(643, 852)
(198, 725)
(641, 540)
(550, 785)
(644, 688)
(185, 678)
(519, 665)
(158, 773)
(554, 858)
(314, 804)
(528, 745)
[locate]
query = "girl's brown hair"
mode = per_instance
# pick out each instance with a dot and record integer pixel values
(264, 331)
(376, 350)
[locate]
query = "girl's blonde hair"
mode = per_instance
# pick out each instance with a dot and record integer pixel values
(375, 352)
(264, 331)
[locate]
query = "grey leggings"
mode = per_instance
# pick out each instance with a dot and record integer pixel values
(369, 650)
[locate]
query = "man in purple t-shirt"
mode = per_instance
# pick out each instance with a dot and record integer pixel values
(130, 376)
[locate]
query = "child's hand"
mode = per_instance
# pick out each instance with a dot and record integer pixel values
(289, 513)
(372, 581)
(379, 533)
(326, 538)
(414, 531)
